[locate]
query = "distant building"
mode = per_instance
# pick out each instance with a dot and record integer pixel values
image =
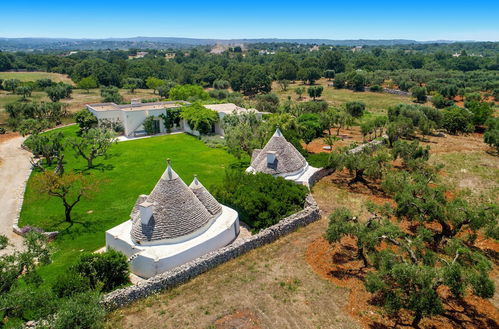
(266, 52)
(170, 56)
(356, 48)
(314, 48)
(173, 225)
(280, 158)
(139, 54)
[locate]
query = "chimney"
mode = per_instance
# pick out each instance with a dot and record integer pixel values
(146, 209)
(271, 157)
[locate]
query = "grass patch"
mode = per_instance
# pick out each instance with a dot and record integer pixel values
(476, 174)
(32, 76)
(375, 102)
(132, 168)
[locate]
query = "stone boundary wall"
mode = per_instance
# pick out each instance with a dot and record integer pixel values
(392, 91)
(188, 271)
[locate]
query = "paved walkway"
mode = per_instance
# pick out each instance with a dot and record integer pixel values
(14, 170)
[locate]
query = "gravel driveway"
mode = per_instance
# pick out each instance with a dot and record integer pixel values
(14, 170)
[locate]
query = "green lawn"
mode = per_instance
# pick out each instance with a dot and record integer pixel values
(133, 168)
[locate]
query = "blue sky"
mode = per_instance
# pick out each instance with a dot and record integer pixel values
(419, 20)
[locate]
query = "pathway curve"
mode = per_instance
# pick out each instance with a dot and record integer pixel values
(14, 170)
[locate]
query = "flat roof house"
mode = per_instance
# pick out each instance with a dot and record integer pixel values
(132, 115)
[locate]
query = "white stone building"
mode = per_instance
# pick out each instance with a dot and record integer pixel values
(173, 225)
(280, 158)
(133, 115)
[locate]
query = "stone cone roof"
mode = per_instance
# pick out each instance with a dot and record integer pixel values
(177, 211)
(287, 158)
(209, 202)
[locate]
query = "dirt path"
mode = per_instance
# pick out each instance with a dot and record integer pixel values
(14, 168)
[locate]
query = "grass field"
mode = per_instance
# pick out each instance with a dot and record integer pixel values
(32, 76)
(133, 168)
(375, 102)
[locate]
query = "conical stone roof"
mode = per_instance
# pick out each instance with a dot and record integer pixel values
(205, 197)
(287, 158)
(177, 211)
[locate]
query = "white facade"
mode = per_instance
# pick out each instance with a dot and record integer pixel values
(149, 260)
(133, 115)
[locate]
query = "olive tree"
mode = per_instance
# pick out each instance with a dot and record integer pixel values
(92, 143)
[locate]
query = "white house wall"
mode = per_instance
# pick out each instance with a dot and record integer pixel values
(147, 261)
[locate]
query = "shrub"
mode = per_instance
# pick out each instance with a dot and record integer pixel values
(69, 284)
(221, 84)
(315, 91)
(105, 271)
(482, 111)
(340, 81)
(255, 197)
(440, 102)
(376, 88)
(111, 94)
(267, 102)
(4, 241)
(199, 117)
(419, 93)
(59, 91)
(491, 136)
(457, 120)
(149, 125)
(2, 130)
(188, 92)
(218, 93)
(80, 311)
(313, 107)
(355, 109)
(357, 82)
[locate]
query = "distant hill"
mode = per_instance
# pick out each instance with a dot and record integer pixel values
(14, 44)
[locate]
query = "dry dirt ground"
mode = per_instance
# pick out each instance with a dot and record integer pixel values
(271, 287)
(14, 170)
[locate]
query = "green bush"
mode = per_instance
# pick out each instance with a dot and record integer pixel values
(376, 88)
(491, 136)
(188, 93)
(149, 126)
(199, 117)
(69, 284)
(457, 120)
(4, 241)
(267, 102)
(355, 109)
(81, 311)
(105, 271)
(261, 200)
